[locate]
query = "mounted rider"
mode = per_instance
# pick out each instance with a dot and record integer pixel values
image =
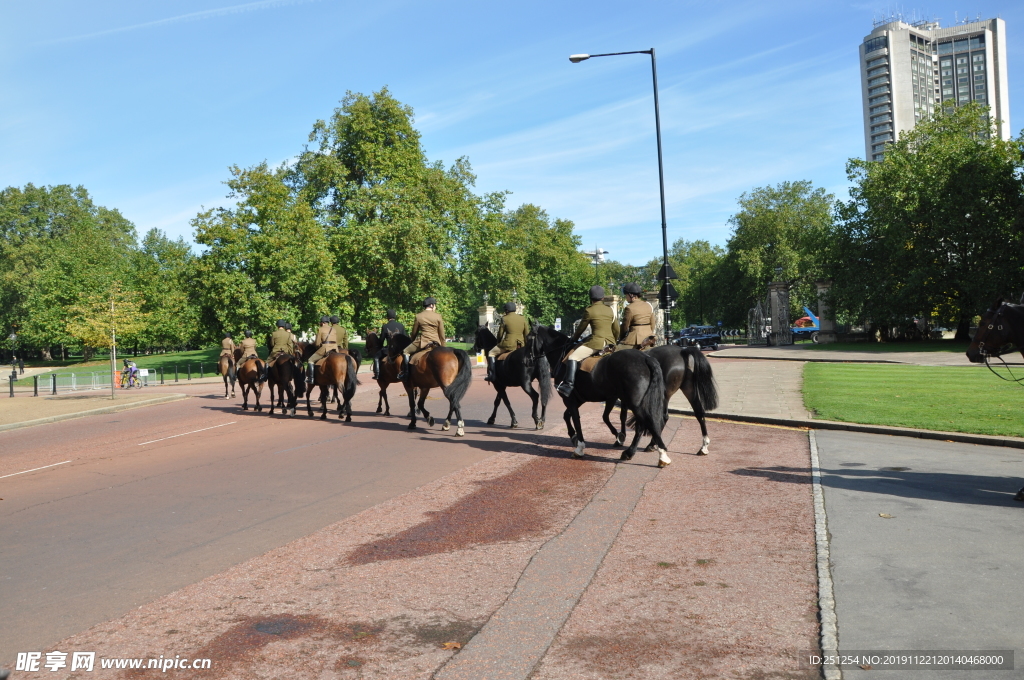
(227, 347)
(248, 348)
(637, 319)
(605, 329)
(511, 336)
(391, 327)
(427, 329)
(326, 342)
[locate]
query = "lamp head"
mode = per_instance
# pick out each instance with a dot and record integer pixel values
(577, 58)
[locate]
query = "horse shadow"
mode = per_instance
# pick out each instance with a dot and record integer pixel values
(986, 490)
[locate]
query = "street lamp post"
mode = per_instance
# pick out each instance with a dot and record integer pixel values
(668, 293)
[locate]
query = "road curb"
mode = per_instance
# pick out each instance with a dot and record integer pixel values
(959, 437)
(95, 412)
(826, 593)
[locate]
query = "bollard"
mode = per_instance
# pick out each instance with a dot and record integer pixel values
(200, 369)
(175, 372)
(53, 383)
(35, 386)
(13, 376)
(188, 368)
(161, 375)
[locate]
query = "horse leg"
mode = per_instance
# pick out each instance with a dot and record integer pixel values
(508, 405)
(387, 406)
(698, 412)
(325, 390)
(411, 393)
(631, 451)
(567, 416)
(270, 385)
(620, 437)
(245, 397)
(534, 397)
(422, 407)
(580, 444)
(460, 430)
(448, 419)
(258, 390)
(494, 413)
(380, 400)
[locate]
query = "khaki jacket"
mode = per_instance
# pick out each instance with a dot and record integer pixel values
(281, 341)
(248, 347)
(512, 330)
(637, 322)
(327, 335)
(605, 327)
(227, 347)
(428, 328)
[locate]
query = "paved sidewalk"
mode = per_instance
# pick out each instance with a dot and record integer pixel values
(767, 389)
(26, 410)
(699, 570)
(805, 353)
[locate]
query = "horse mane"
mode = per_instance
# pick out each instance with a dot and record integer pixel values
(398, 342)
(485, 339)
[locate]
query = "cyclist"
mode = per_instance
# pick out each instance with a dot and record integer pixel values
(130, 374)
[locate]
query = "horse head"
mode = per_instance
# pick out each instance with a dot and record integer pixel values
(373, 343)
(397, 343)
(485, 339)
(1000, 326)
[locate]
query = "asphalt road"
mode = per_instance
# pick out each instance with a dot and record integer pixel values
(944, 571)
(156, 498)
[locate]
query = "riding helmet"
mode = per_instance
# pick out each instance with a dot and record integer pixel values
(632, 289)
(288, 325)
(282, 323)
(248, 334)
(429, 301)
(335, 320)
(392, 314)
(510, 306)
(325, 319)
(227, 335)
(596, 293)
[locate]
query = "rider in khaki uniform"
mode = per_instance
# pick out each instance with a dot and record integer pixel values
(511, 335)
(326, 342)
(637, 320)
(280, 343)
(227, 347)
(427, 328)
(605, 328)
(248, 347)
(342, 333)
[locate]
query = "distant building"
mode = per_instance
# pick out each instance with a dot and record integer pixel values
(908, 69)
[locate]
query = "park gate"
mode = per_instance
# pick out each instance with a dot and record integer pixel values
(757, 329)
(778, 307)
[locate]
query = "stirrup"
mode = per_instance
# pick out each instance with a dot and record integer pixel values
(565, 389)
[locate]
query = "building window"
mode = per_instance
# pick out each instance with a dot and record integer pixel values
(978, 41)
(878, 81)
(880, 109)
(878, 71)
(881, 42)
(961, 60)
(946, 47)
(879, 100)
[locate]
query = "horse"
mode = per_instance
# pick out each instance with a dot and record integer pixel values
(520, 368)
(388, 373)
(226, 368)
(1000, 331)
(338, 371)
(683, 368)
(442, 367)
(285, 373)
(250, 377)
(630, 376)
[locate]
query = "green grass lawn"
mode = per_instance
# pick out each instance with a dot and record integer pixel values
(958, 399)
(882, 347)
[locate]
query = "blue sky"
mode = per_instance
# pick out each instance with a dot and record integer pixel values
(147, 104)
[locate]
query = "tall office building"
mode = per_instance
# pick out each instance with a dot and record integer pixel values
(909, 69)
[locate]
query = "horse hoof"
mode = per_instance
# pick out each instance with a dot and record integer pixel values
(702, 452)
(663, 459)
(446, 427)
(490, 421)
(540, 424)
(379, 409)
(412, 426)
(580, 448)
(323, 417)
(663, 463)
(460, 432)
(620, 439)
(431, 421)
(651, 447)
(348, 419)
(245, 408)
(626, 455)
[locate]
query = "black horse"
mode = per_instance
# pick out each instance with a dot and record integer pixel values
(629, 376)
(683, 368)
(1000, 331)
(519, 369)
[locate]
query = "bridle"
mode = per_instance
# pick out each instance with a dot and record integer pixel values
(998, 354)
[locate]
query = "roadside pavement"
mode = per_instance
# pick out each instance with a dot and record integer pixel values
(26, 410)
(806, 352)
(528, 563)
(767, 389)
(924, 547)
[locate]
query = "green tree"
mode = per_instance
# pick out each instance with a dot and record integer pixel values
(163, 271)
(100, 320)
(933, 229)
(785, 226)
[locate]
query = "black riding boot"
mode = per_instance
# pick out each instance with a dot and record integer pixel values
(565, 388)
(376, 368)
(405, 368)
(309, 373)
(263, 373)
(490, 369)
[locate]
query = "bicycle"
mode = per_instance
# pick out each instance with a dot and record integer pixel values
(130, 380)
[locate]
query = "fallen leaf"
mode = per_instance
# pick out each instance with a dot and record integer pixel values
(885, 515)
(451, 645)
(866, 666)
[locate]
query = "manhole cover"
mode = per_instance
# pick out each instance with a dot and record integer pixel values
(851, 464)
(896, 469)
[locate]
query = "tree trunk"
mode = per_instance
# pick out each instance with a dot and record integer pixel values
(87, 353)
(963, 330)
(45, 351)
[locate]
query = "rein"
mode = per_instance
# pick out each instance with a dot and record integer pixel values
(1012, 378)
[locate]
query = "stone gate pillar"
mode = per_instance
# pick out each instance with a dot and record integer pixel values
(825, 321)
(778, 308)
(659, 318)
(486, 313)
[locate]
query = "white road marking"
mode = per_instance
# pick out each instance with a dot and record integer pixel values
(34, 469)
(185, 433)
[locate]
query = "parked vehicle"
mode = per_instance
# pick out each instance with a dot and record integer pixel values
(704, 337)
(806, 327)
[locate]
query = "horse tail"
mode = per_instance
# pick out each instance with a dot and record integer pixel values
(463, 378)
(354, 353)
(352, 376)
(703, 379)
(544, 378)
(259, 367)
(649, 415)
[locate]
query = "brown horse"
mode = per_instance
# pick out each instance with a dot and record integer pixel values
(337, 372)
(250, 377)
(226, 368)
(285, 373)
(443, 367)
(388, 371)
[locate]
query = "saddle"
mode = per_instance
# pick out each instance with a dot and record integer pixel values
(421, 354)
